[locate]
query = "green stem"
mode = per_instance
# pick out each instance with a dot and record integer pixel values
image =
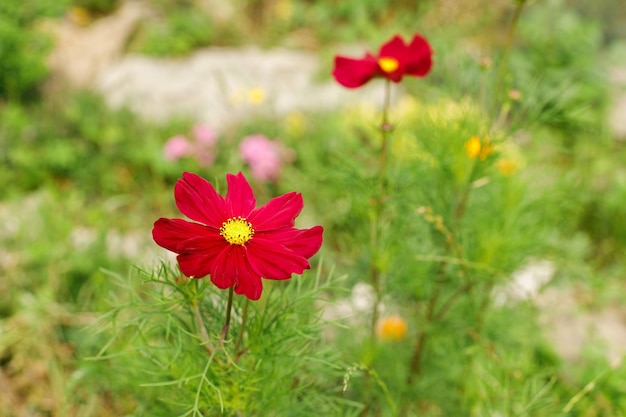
(432, 315)
(385, 129)
(375, 272)
(507, 47)
(461, 204)
(416, 360)
(445, 307)
(229, 308)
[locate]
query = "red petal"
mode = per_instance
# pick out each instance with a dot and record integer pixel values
(197, 255)
(272, 260)
(394, 48)
(194, 265)
(171, 233)
(395, 76)
(397, 49)
(231, 267)
(353, 73)
(222, 272)
(240, 199)
(198, 200)
(420, 61)
(249, 283)
(304, 242)
(279, 212)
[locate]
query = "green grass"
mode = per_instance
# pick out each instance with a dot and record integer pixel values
(92, 325)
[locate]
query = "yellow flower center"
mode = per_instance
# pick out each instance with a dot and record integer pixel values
(388, 64)
(237, 231)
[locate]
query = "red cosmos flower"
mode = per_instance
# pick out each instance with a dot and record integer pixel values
(395, 60)
(233, 241)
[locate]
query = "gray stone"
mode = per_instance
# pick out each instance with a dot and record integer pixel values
(571, 329)
(617, 117)
(82, 53)
(222, 86)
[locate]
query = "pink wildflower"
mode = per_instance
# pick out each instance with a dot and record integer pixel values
(176, 147)
(264, 157)
(202, 146)
(204, 135)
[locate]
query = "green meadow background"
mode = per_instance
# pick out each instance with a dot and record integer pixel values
(93, 323)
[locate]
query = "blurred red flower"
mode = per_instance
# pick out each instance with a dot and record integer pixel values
(231, 239)
(395, 60)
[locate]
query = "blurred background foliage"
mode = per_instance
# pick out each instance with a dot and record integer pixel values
(81, 185)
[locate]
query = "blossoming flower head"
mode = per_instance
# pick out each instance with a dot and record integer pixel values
(394, 60)
(232, 240)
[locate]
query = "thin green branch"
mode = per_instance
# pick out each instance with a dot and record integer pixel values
(375, 271)
(503, 66)
(229, 308)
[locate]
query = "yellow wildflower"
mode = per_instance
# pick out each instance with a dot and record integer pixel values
(256, 95)
(478, 149)
(511, 159)
(392, 328)
(507, 166)
(472, 147)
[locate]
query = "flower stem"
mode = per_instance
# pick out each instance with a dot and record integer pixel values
(385, 129)
(507, 48)
(462, 201)
(375, 268)
(229, 308)
(452, 247)
(416, 359)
